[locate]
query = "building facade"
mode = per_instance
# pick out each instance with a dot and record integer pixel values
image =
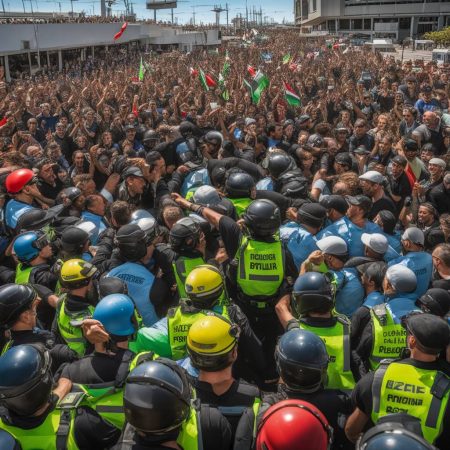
(394, 19)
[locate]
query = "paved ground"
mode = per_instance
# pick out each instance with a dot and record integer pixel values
(409, 54)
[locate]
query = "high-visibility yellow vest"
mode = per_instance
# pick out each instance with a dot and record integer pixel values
(22, 274)
(182, 267)
(240, 205)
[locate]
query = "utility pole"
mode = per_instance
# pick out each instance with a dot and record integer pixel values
(226, 5)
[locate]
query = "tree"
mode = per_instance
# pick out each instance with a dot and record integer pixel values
(441, 37)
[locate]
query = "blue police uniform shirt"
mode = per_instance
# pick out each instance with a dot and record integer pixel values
(272, 142)
(97, 221)
(350, 292)
(394, 240)
(266, 184)
(351, 234)
(373, 299)
(300, 242)
(421, 264)
(14, 209)
(400, 306)
(390, 254)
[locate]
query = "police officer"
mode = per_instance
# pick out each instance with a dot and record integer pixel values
(240, 190)
(74, 244)
(160, 412)
(212, 345)
(77, 277)
(313, 301)
(21, 184)
(418, 385)
(259, 269)
(18, 324)
(102, 373)
(34, 416)
(416, 258)
(276, 164)
(212, 141)
(294, 425)
(205, 292)
(383, 335)
(302, 361)
(299, 234)
(135, 249)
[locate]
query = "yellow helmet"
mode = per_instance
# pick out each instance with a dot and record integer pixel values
(204, 286)
(210, 341)
(76, 273)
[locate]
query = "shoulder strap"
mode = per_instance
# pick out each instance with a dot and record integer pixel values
(376, 384)
(62, 435)
(439, 389)
(124, 369)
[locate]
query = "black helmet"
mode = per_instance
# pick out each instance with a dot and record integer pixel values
(63, 222)
(400, 431)
(312, 291)
(14, 300)
(302, 360)
(149, 226)
(72, 193)
(262, 218)
(111, 285)
(140, 132)
(293, 185)
(157, 397)
(151, 138)
(214, 138)
(239, 185)
(185, 234)
(187, 129)
(73, 239)
(132, 242)
(278, 163)
(36, 219)
(26, 381)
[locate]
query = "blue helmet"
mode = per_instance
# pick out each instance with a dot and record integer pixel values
(116, 312)
(28, 245)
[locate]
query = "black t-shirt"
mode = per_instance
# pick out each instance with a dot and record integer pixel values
(383, 203)
(400, 187)
(49, 191)
(362, 396)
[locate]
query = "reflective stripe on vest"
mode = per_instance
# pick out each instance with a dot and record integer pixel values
(7, 346)
(178, 325)
(240, 205)
(56, 432)
(388, 337)
(403, 388)
(73, 336)
(182, 267)
(260, 267)
(337, 342)
(190, 437)
(139, 281)
(22, 275)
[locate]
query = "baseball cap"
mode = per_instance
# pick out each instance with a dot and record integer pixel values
(376, 242)
(336, 202)
(344, 158)
(431, 331)
(438, 162)
(249, 121)
(359, 200)
(372, 176)
(311, 214)
(129, 127)
(333, 245)
(435, 301)
(361, 150)
(400, 160)
(132, 171)
(303, 118)
(401, 278)
(411, 145)
(415, 235)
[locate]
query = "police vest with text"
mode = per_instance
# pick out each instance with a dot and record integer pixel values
(180, 320)
(388, 337)
(182, 267)
(403, 388)
(240, 205)
(337, 342)
(260, 268)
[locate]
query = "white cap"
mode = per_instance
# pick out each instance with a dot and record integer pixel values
(401, 278)
(333, 245)
(373, 176)
(376, 242)
(438, 162)
(415, 235)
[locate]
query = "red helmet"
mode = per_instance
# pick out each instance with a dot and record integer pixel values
(18, 179)
(294, 425)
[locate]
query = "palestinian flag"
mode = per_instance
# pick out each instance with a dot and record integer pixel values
(291, 97)
(251, 71)
(287, 58)
(203, 81)
(141, 71)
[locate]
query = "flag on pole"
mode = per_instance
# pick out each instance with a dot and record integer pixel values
(121, 31)
(251, 71)
(287, 58)
(203, 81)
(291, 97)
(224, 94)
(257, 86)
(210, 81)
(141, 71)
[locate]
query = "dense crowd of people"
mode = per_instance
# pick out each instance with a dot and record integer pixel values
(195, 258)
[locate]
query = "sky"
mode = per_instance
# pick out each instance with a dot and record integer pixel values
(282, 9)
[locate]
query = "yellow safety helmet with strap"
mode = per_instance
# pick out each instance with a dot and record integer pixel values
(76, 273)
(204, 286)
(210, 341)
